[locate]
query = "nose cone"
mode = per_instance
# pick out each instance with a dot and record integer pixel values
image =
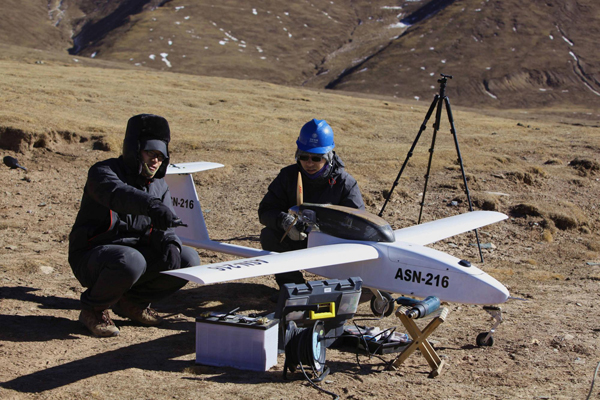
(496, 293)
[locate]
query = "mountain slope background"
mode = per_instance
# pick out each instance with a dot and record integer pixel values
(502, 53)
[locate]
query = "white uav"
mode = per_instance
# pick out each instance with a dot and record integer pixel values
(349, 242)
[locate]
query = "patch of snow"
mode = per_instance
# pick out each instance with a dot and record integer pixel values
(179, 8)
(423, 68)
(151, 29)
(542, 89)
(263, 58)
(432, 48)
(398, 25)
(177, 23)
(362, 70)
(94, 54)
(259, 49)
(286, 13)
(491, 95)
(551, 37)
(164, 59)
(443, 61)
(417, 98)
(222, 42)
(76, 60)
(254, 11)
(568, 41)
(152, 56)
(391, 8)
(231, 37)
(186, 17)
(474, 38)
(432, 74)
(170, 42)
(137, 64)
(432, 87)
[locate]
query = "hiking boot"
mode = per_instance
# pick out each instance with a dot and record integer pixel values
(143, 315)
(99, 323)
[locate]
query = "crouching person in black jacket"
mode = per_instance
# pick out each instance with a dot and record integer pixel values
(123, 235)
(324, 181)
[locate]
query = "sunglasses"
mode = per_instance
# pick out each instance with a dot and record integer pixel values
(304, 157)
(155, 154)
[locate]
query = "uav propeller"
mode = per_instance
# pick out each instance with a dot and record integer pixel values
(299, 201)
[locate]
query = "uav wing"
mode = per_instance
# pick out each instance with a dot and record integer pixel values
(277, 262)
(434, 231)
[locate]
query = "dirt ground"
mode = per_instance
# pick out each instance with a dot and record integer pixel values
(547, 252)
(546, 348)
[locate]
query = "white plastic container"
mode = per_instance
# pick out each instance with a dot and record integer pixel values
(231, 343)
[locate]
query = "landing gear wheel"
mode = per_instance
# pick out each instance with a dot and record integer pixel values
(481, 342)
(383, 307)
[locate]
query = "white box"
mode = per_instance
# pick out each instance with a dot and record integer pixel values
(241, 345)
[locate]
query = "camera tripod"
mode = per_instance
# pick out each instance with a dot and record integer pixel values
(438, 101)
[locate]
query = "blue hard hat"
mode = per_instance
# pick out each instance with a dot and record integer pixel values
(316, 136)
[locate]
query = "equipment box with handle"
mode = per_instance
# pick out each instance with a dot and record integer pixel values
(337, 299)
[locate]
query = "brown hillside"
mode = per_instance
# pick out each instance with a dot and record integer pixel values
(502, 53)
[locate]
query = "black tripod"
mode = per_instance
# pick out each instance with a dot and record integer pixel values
(438, 101)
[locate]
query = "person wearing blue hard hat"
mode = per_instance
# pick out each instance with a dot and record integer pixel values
(324, 181)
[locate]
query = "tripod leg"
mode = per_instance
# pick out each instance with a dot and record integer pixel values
(410, 152)
(462, 168)
(436, 128)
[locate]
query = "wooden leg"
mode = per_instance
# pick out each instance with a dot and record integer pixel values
(420, 341)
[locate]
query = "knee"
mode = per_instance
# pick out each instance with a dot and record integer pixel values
(131, 263)
(189, 257)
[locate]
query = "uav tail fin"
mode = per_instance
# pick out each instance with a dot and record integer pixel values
(187, 207)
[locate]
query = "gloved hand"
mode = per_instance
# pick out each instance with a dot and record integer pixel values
(297, 230)
(172, 256)
(162, 217)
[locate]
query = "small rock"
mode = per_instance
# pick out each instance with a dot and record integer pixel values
(11, 247)
(45, 269)
(42, 205)
(568, 336)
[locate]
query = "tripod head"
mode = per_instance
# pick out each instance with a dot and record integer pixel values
(442, 81)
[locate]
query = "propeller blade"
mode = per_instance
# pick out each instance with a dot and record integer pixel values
(289, 228)
(299, 191)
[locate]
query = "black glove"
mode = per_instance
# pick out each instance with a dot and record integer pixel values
(162, 217)
(172, 256)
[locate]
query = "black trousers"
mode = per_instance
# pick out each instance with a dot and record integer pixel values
(113, 271)
(270, 239)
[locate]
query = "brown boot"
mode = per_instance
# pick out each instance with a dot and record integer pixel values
(99, 323)
(138, 313)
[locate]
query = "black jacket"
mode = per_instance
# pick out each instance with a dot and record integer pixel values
(338, 188)
(115, 202)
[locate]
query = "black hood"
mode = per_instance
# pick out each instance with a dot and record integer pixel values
(140, 128)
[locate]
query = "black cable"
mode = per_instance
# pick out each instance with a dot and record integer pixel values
(300, 340)
(593, 381)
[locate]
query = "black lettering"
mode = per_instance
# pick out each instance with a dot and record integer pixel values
(445, 282)
(407, 275)
(429, 278)
(416, 276)
(398, 274)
